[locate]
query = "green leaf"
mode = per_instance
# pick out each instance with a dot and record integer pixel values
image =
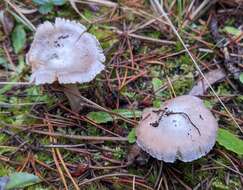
(157, 103)
(104, 117)
(21, 180)
(99, 117)
(41, 2)
(54, 2)
(132, 136)
(129, 94)
(241, 78)
(157, 83)
(7, 87)
(3, 61)
(6, 149)
(219, 185)
(208, 104)
(58, 2)
(232, 30)
(45, 8)
(88, 14)
(230, 141)
(129, 113)
(18, 38)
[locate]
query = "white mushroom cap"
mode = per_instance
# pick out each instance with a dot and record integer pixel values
(186, 131)
(64, 52)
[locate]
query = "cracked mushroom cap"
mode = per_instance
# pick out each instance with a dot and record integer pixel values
(183, 128)
(63, 51)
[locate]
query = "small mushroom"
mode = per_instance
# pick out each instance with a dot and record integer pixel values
(183, 128)
(65, 52)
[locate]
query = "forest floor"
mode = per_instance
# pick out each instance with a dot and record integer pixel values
(146, 64)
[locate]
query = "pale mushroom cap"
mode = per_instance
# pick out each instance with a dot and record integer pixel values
(64, 52)
(177, 135)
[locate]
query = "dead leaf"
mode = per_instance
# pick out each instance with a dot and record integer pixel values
(213, 76)
(79, 170)
(133, 153)
(7, 22)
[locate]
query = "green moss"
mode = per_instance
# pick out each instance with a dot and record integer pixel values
(119, 153)
(92, 130)
(94, 186)
(3, 138)
(38, 187)
(181, 86)
(5, 169)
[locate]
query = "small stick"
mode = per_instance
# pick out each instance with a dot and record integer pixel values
(184, 114)
(77, 137)
(165, 112)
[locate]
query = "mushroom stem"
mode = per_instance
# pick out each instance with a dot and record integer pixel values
(72, 93)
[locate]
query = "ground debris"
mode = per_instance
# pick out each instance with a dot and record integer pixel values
(230, 63)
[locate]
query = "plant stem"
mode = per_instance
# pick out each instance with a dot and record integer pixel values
(72, 93)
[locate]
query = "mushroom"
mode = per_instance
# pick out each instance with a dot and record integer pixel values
(183, 128)
(65, 52)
